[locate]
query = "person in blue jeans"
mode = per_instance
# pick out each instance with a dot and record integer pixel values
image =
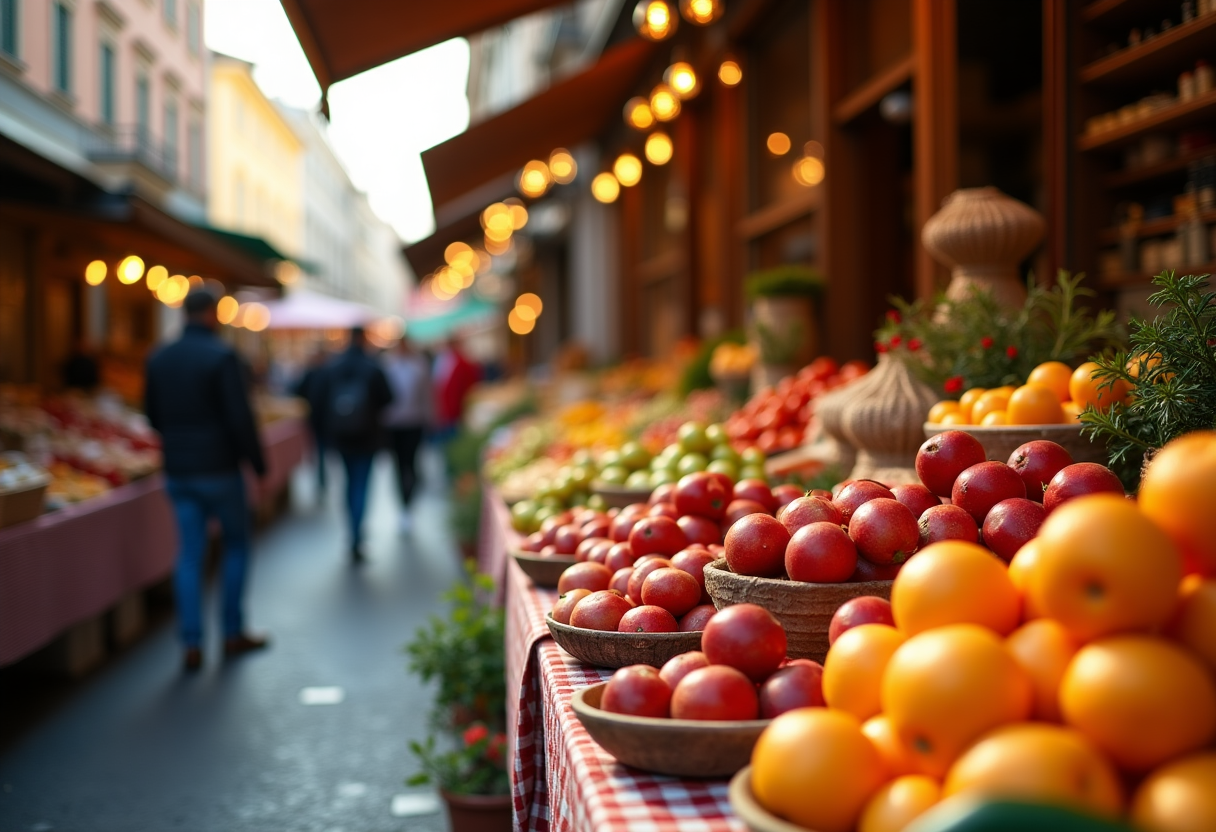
(195, 397)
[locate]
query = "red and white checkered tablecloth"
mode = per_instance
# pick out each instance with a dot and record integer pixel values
(562, 780)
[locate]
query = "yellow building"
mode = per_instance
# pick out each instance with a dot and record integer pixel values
(255, 177)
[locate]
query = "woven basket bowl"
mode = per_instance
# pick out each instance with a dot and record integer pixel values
(678, 747)
(1001, 441)
(604, 649)
(543, 571)
(804, 610)
(618, 496)
(757, 818)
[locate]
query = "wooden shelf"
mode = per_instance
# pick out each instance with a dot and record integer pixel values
(1120, 13)
(1154, 228)
(1164, 56)
(874, 90)
(1199, 109)
(1135, 176)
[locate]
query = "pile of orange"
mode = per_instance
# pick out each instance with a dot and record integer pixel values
(1083, 674)
(1053, 394)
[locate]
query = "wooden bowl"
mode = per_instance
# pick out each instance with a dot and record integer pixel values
(757, 818)
(604, 649)
(804, 610)
(678, 747)
(543, 571)
(1000, 441)
(618, 496)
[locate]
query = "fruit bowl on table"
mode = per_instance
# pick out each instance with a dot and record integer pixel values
(749, 810)
(805, 610)
(677, 747)
(544, 570)
(1000, 441)
(610, 649)
(619, 496)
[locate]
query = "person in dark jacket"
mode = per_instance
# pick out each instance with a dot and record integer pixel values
(355, 392)
(310, 389)
(196, 399)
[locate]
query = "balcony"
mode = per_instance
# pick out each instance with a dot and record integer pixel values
(129, 157)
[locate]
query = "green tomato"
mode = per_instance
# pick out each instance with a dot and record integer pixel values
(578, 498)
(615, 475)
(610, 459)
(634, 456)
(690, 463)
(716, 434)
(582, 458)
(523, 516)
(638, 479)
(752, 456)
(725, 452)
(658, 478)
(753, 472)
(552, 502)
(545, 512)
(581, 477)
(724, 466)
(692, 438)
(562, 486)
(667, 462)
(597, 503)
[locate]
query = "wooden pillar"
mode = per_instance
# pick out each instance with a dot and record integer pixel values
(630, 203)
(935, 136)
(1057, 137)
(687, 158)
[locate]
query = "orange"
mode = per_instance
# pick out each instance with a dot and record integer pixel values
(1178, 797)
(941, 409)
(1142, 700)
(814, 767)
(1147, 363)
(1034, 404)
(1072, 411)
(1194, 623)
(1104, 568)
(969, 398)
(1177, 493)
(1020, 569)
(995, 417)
(1043, 648)
(945, 687)
(1007, 389)
(958, 417)
(1040, 764)
(1083, 388)
(1054, 375)
(852, 671)
(898, 803)
(987, 403)
(954, 582)
(894, 753)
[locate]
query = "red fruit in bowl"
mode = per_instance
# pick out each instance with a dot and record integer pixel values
(549, 551)
(820, 553)
(664, 510)
(620, 580)
(982, 486)
(885, 531)
(786, 493)
(637, 690)
(1037, 462)
(704, 494)
(757, 490)
(672, 589)
(716, 692)
(601, 610)
(533, 542)
(583, 551)
(737, 510)
(599, 552)
(623, 524)
(663, 494)
(807, 510)
(943, 457)
(565, 603)
(866, 609)
(947, 522)
(641, 570)
(1010, 524)
(592, 576)
(755, 545)
(647, 618)
(693, 561)
(699, 529)
(856, 494)
(867, 571)
(677, 667)
(657, 536)
(1079, 479)
(596, 527)
(822, 493)
(916, 497)
(746, 637)
(696, 618)
(619, 556)
(797, 685)
(550, 525)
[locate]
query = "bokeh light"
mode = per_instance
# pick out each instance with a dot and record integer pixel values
(256, 316)
(658, 148)
(655, 19)
(808, 171)
(730, 73)
(638, 113)
(682, 79)
(605, 188)
(534, 179)
(156, 276)
(628, 169)
(517, 324)
(226, 309)
(131, 269)
(778, 144)
(562, 166)
(664, 103)
(701, 12)
(95, 273)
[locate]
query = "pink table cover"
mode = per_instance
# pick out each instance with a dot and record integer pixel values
(283, 444)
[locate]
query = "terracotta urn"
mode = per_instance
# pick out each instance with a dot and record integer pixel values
(884, 419)
(983, 236)
(478, 812)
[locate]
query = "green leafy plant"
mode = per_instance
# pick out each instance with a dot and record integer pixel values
(1171, 369)
(784, 281)
(696, 374)
(475, 762)
(779, 347)
(972, 341)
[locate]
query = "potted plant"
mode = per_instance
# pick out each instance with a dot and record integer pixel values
(783, 319)
(471, 776)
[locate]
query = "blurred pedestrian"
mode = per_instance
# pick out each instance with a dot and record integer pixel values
(406, 418)
(81, 370)
(310, 388)
(196, 399)
(355, 393)
(455, 375)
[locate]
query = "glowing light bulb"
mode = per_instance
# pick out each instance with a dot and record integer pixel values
(808, 171)
(518, 325)
(701, 12)
(638, 113)
(730, 73)
(628, 169)
(664, 103)
(778, 144)
(534, 179)
(156, 276)
(562, 166)
(682, 79)
(95, 273)
(532, 301)
(605, 187)
(658, 148)
(226, 309)
(654, 19)
(131, 269)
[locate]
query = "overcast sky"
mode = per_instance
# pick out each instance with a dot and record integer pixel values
(381, 120)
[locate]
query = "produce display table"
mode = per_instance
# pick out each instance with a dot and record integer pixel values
(283, 444)
(562, 779)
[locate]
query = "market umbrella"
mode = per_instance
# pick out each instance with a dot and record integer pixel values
(436, 321)
(308, 310)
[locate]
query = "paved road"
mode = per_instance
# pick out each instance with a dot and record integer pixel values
(139, 747)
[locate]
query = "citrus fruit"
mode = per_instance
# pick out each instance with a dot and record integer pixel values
(995, 417)
(1147, 364)
(1053, 375)
(1084, 388)
(1043, 648)
(1072, 411)
(1020, 570)
(1194, 623)
(945, 687)
(954, 582)
(969, 398)
(898, 803)
(1041, 764)
(814, 767)
(1143, 700)
(958, 417)
(1104, 568)
(894, 753)
(1034, 404)
(941, 409)
(852, 671)
(1177, 493)
(987, 403)
(1178, 797)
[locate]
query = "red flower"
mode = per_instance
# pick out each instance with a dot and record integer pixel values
(475, 733)
(893, 316)
(498, 744)
(880, 347)
(914, 344)
(953, 384)
(986, 342)
(896, 340)
(1011, 351)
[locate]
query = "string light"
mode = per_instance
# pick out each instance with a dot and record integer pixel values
(498, 247)
(664, 103)
(497, 221)
(156, 276)
(628, 169)
(95, 273)
(518, 213)
(518, 325)
(658, 148)
(778, 144)
(532, 301)
(562, 166)
(605, 187)
(701, 12)
(654, 19)
(130, 270)
(534, 179)
(226, 309)
(256, 317)
(730, 73)
(682, 79)
(638, 113)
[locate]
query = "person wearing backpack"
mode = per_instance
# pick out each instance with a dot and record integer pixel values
(406, 419)
(355, 392)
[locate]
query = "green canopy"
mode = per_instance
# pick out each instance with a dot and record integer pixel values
(438, 327)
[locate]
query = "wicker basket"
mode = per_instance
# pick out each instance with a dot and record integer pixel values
(18, 506)
(804, 610)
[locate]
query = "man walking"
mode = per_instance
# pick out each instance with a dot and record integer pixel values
(409, 378)
(355, 394)
(195, 398)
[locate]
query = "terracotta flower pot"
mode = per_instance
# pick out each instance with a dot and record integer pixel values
(478, 812)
